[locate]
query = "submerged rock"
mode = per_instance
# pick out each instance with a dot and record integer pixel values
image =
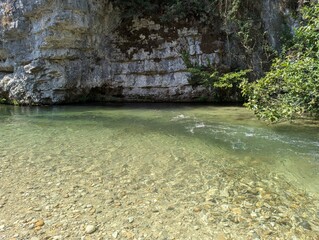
(305, 225)
(89, 229)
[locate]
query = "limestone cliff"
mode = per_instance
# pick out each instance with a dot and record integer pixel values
(59, 51)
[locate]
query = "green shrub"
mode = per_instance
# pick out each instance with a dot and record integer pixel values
(224, 85)
(291, 88)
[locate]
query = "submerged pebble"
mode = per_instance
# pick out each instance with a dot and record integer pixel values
(305, 225)
(115, 234)
(116, 178)
(89, 229)
(39, 223)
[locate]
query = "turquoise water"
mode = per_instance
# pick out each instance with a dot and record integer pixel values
(188, 171)
(92, 133)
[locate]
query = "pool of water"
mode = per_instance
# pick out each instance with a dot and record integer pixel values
(172, 157)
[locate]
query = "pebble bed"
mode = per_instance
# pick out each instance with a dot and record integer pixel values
(222, 202)
(104, 184)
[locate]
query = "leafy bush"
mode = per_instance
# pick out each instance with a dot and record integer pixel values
(291, 88)
(225, 85)
(231, 79)
(199, 74)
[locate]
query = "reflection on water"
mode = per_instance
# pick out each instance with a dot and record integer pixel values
(165, 160)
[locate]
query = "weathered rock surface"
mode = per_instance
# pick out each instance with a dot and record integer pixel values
(56, 51)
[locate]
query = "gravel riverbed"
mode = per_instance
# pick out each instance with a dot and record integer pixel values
(52, 202)
(186, 173)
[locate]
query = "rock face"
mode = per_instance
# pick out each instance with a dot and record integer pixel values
(59, 51)
(53, 51)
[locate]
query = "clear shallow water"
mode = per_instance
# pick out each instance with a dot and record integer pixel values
(112, 135)
(183, 172)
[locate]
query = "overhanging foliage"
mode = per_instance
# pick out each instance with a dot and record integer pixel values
(291, 88)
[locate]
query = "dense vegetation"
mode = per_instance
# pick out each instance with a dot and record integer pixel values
(291, 88)
(225, 85)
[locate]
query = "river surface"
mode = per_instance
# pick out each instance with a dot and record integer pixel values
(155, 166)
